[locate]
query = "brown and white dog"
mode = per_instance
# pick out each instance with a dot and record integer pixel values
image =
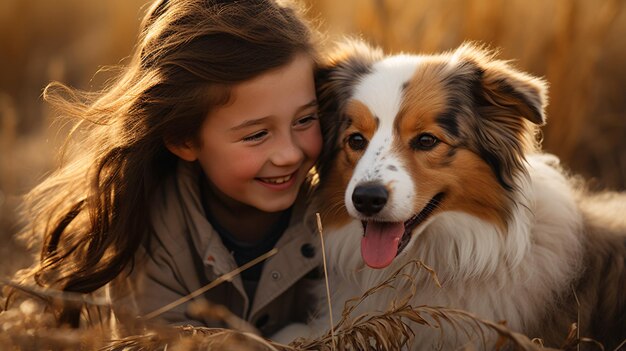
(435, 159)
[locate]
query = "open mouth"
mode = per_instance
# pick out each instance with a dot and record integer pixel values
(277, 180)
(383, 241)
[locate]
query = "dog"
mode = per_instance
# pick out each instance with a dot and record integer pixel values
(436, 158)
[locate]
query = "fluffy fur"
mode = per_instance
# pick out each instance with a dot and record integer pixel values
(451, 140)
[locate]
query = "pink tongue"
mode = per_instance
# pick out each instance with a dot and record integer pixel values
(379, 245)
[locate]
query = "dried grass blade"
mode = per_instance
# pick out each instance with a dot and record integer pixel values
(622, 344)
(330, 306)
(216, 282)
(206, 309)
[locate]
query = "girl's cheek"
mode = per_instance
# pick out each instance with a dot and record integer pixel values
(246, 164)
(314, 142)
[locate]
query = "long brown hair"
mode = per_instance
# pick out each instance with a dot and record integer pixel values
(93, 212)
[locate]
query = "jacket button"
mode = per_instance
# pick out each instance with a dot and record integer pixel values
(262, 321)
(275, 275)
(307, 250)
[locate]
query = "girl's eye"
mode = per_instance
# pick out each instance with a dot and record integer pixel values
(306, 120)
(255, 137)
(357, 142)
(424, 141)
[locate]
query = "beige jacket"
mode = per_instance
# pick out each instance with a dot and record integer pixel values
(187, 254)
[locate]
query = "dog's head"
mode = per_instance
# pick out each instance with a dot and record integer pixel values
(412, 137)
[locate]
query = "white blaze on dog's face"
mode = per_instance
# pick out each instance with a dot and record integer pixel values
(422, 135)
(373, 107)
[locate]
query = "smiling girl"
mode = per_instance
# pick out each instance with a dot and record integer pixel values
(195, 161)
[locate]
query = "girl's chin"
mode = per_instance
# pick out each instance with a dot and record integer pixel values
(277, 203)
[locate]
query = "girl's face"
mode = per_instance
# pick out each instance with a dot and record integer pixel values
(259, 148)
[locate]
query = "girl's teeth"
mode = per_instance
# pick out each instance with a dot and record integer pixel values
(277, 180)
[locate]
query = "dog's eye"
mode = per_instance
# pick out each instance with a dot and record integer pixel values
(357, 141)
(424, 142)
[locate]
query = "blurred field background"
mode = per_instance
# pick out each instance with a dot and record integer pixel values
(577, 45)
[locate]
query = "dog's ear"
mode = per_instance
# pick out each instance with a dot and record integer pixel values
(509, 106)
(337, 75)
(335, 79)
(511, 92)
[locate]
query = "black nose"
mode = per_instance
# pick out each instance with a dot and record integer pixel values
(369, 199)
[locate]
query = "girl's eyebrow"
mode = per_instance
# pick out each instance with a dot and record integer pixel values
(311, 103)
(257, 121)
(249, 123)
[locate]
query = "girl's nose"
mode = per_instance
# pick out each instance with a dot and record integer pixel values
(287, 152)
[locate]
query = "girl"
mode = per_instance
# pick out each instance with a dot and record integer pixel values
(195, 161)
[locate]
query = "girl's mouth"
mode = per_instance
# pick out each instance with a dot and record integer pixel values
(277, 180)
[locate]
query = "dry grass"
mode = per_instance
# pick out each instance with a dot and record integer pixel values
(395, 328)
(31, 327)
